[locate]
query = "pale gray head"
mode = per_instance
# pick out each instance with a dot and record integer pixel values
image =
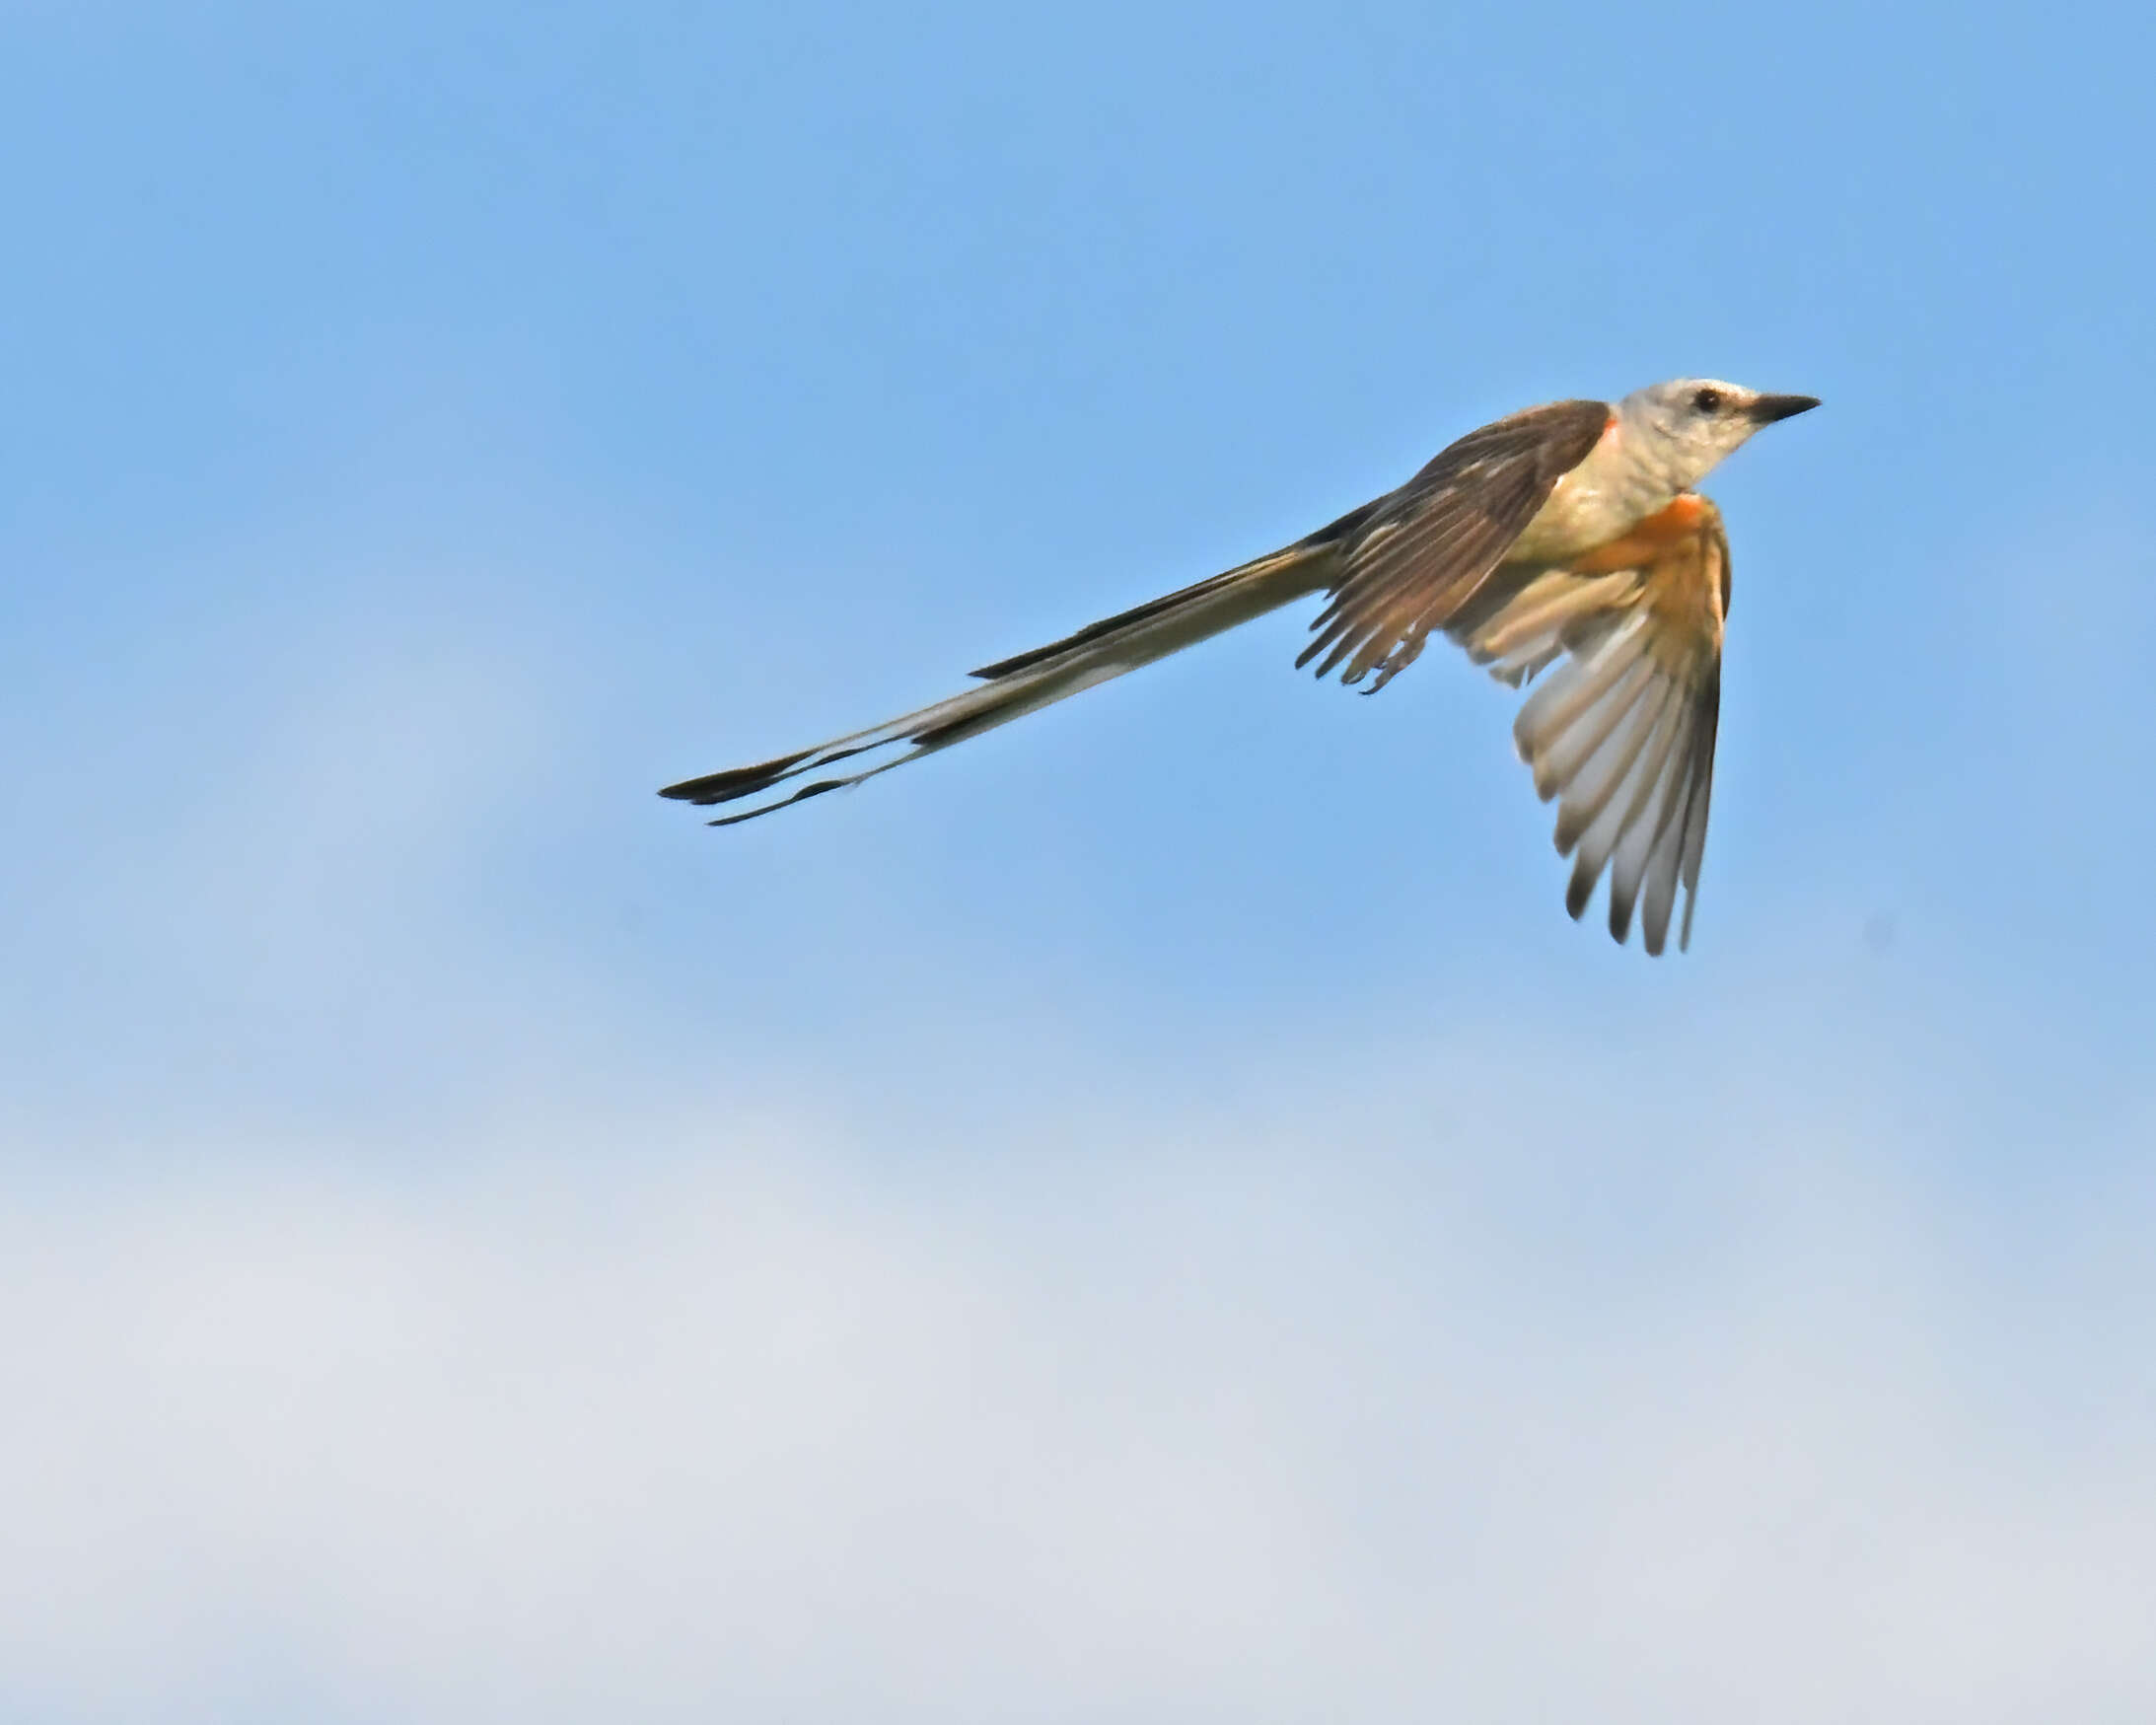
(1691, 423)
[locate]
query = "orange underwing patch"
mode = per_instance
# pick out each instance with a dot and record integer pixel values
(1647, 540)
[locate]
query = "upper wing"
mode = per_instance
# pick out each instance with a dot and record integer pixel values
(1412, 558)
(1621, 733)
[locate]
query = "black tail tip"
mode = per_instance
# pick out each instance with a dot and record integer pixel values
(739, 781)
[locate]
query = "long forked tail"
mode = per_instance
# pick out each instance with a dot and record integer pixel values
(1019, 686)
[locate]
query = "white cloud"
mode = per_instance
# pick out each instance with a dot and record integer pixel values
(644, 1418)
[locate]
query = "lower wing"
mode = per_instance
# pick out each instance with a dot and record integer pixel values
(1621, 731)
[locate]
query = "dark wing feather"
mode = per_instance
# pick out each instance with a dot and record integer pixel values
(1414, 557)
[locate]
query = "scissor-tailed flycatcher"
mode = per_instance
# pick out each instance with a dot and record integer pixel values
(1569, 530)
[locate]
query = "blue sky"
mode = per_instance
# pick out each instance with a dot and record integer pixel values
(1156, 1214)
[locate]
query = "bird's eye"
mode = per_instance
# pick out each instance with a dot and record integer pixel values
(1707, 401)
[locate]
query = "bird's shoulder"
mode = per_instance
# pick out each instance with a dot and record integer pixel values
(1550, 440)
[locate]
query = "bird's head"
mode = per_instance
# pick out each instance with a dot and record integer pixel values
(1693, 422)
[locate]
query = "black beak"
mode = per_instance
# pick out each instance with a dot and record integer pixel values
(1768, 408)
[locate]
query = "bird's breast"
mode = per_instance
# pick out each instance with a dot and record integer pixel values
(1609, 495)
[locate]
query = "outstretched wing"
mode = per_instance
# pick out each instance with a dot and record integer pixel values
(1621, 734)
(1417, 556)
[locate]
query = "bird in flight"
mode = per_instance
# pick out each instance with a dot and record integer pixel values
(1567, 532)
